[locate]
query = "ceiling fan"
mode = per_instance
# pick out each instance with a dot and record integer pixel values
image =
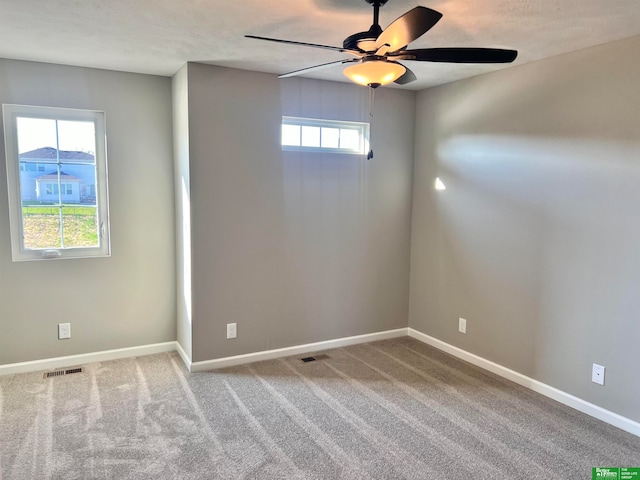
(377, 52)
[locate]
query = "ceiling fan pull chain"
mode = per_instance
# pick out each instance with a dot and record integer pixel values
(372, 97)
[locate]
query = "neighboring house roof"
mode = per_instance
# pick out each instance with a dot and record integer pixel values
(64, 177)
(49, 153)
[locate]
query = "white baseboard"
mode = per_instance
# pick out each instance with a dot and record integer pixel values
(84, 358)
(296, 350)
(183, 355)
(572, 401)
(103, 356)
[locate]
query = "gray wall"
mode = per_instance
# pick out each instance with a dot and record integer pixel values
(127, 299)
(535, 239)
(294, 248)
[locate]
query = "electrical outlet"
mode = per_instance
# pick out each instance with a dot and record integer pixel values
(462, 325)
(232, 330)
(64, 331)
(597, 374)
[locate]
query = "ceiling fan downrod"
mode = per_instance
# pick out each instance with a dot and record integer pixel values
(376, 9)
(363, 39)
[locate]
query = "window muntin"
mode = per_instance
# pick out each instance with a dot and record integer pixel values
(57, 179)
(316, 135)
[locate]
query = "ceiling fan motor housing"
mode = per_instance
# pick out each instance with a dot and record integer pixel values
(352, 42)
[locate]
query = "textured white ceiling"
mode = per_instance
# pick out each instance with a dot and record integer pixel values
(159, 36)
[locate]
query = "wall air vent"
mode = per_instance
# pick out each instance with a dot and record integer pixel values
(59, 373)
(321, 356)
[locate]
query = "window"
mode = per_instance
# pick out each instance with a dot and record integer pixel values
(31, 167)
(57, 182)
(307, 134)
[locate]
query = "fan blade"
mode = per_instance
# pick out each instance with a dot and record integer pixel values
(407, 77)
(407, 28)
(317, 67)
(458, 55)
(303, 44)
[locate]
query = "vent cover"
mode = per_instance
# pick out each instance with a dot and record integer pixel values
(322, 356)
(59, 373)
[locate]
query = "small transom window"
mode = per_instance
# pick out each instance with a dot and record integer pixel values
(309, 134)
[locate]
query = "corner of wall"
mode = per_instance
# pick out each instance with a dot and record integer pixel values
(182, 185)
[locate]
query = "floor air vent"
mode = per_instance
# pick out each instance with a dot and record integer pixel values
(322, 356)
(59, 373)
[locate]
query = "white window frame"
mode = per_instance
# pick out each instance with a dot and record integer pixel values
(360, 127)
(19, 252)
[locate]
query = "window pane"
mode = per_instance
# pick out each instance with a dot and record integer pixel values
(330, 137)
(349, 139)
(41, 225)
(80, 183)
(35, 134)
(29, 186)
(291, 135)
(310, 136)
(77, 141)
(79, 226)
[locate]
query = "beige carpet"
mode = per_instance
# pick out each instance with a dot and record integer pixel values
(388, 410)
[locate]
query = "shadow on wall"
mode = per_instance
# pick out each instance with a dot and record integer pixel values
(327, 214)
(347, 219)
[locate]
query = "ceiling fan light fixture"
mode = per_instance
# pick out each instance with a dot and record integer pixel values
(374, 73)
